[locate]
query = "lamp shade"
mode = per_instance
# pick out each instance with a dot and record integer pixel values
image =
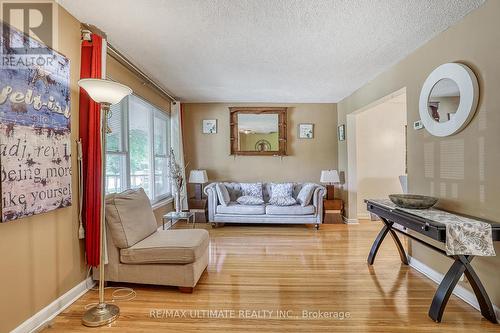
(104, 91)
(198, 177)
(329, 176)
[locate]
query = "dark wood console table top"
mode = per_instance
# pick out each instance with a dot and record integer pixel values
(437, 232)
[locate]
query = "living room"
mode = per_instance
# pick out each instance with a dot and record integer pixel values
(238, 165)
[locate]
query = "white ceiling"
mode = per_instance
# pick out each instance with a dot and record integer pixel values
(268, 50)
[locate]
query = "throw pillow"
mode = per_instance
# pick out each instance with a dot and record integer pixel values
(282, 201)
(305, 195)
(250, 200)
(251, 189)
(222, 194)
(281, 190)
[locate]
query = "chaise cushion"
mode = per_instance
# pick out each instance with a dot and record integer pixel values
(129, 216)
(290, 210)
(236, 208)
(182, 246)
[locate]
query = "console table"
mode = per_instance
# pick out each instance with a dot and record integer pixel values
(435, 231)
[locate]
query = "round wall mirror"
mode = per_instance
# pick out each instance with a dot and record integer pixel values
(448, 99)
(443, 100)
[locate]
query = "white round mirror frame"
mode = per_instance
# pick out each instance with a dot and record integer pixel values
(466, 80)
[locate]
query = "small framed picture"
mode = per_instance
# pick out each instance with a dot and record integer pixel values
(209, 126)
(306, 131)
(341, 132)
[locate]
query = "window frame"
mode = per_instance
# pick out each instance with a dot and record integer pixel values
(161, 114)
(154, 112)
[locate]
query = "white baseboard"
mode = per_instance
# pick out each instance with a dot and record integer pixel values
(459, 291)
(49, 312)
(350, 221)
(364, 216)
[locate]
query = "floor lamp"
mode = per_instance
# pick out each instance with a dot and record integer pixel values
(106, 93)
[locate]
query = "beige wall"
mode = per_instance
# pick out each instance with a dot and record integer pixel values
(460, 169)
(41, 256)
(380, 136)
(307, 157)
(117, 72)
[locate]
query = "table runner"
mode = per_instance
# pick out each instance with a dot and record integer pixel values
(464, 236)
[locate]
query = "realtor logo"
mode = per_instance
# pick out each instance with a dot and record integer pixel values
(36, 20)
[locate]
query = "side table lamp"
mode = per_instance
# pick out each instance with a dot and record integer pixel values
(330, 177)
(198, 177)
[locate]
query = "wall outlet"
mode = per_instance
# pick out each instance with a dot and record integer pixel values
(418, 125)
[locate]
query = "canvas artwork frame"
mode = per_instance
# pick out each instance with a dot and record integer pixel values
(209, 126)
(35, 133)
(306, 131)
(341, 132)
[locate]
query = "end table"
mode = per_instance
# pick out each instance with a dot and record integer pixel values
(199, 208)
(333, 210)
(173, 217)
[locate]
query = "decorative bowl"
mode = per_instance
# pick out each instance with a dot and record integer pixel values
(413, 201)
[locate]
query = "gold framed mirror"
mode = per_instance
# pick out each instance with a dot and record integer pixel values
(258, 131)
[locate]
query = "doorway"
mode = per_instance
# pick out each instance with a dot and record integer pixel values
(376, 151)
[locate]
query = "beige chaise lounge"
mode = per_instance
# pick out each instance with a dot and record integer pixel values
(140, 252)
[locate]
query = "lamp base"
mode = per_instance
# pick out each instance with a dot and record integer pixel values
(330, 192)
(197, 191)
(100, 315)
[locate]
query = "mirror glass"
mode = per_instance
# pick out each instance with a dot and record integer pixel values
(258, 132)
(443, 100)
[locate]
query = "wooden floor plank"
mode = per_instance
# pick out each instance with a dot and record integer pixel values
(290, 269)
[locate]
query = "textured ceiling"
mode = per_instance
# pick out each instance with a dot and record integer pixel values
(268, 50)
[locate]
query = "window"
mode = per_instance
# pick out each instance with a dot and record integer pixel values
(137, 148)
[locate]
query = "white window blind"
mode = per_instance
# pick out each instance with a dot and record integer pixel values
(137, 148)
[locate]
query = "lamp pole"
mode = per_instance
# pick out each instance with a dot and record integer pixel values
(106, 93)
(102, 313)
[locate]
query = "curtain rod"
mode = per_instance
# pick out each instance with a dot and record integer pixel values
(118, 56)
(87, 29)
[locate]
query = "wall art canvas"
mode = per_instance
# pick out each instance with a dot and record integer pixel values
(306, 131)
(35, 130)
(209, 126)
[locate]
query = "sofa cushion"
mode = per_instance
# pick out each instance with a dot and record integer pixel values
(168, 247)
(249, 200)
(222, 194)
(290, 210)
(130, 218)
(305, 195)
(282, 201)
(251, 189)
(236, 208)
(281, 190)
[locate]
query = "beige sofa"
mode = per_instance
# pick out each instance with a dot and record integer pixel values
(140, 252)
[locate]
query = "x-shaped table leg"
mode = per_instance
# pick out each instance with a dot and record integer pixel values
(387, 228)
(460, 266)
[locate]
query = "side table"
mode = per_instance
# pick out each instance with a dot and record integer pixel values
(333, 210)
(199, 208)
(173, 217)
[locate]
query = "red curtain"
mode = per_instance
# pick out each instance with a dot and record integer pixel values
(90, 115)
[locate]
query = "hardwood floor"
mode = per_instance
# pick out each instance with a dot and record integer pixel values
(290, 269)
